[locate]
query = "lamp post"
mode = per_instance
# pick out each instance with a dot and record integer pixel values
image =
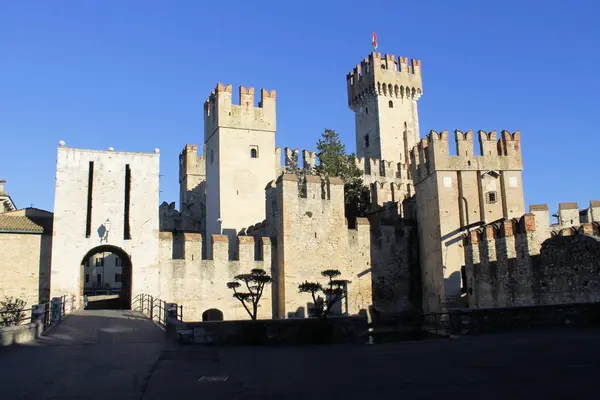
(107, 224)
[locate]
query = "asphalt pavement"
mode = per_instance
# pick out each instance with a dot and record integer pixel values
(111, 354)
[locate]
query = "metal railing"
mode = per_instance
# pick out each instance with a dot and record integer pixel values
(39, 313)
(157, 309)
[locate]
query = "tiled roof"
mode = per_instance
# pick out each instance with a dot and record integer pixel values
(21, 221)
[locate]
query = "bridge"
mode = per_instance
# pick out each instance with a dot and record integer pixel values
(124, 354)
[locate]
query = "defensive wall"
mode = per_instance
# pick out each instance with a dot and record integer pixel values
(187, 278)
(526, 261)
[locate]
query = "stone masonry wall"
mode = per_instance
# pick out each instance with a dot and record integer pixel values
(25, 266)
(396, 271)
(512, 264)
(185, 278)
(312, 235)
(70, 243)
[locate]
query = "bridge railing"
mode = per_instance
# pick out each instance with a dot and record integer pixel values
(157, 309)
(26, 324)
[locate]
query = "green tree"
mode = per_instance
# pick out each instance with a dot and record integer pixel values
(11, 311)
(254, 283)
(334, 291)
(335, 162)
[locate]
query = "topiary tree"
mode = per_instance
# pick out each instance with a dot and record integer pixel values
(334, 291)
(11, 311)
(254, 283)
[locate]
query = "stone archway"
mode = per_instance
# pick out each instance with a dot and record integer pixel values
(106, 271)
(212, 314)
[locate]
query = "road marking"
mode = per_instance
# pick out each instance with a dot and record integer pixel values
(213, 378)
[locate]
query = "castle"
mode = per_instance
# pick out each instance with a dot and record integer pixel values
(444, 230)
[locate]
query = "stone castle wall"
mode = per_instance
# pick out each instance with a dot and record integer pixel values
(523, 262)
(184, 277)
(312, 235)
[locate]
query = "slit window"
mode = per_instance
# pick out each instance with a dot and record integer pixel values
(126, 226)
(366, 140)
(88, 221)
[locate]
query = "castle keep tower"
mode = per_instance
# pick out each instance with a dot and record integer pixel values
(458, 193)
(383, 92)
(239, 158)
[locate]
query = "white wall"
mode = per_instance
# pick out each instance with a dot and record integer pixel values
(70, 244)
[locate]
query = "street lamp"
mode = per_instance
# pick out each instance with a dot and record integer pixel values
(107, 224)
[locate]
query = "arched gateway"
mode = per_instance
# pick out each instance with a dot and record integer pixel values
(107, 270)
(105, 207)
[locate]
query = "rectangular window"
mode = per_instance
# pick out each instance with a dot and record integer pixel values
(87, 278)
(126, 227)
(99, 261)
(117, 262)
(99, 279)
(118, 278)
(88, 221)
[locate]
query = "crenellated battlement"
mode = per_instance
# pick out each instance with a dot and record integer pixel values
(381, 169)
(292, 159)
(384, 75)
(568, 215)
(310, 187)
(432, 153)
(188, 246)
(219, 110)
(514, 263)
(190, 163)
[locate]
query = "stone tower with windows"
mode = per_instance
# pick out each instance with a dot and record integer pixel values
(240, 159)
(456, 193)
(383, 92)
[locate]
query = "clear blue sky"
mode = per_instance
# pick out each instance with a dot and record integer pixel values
(134, 75)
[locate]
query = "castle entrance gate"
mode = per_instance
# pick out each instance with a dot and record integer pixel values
(105, 220)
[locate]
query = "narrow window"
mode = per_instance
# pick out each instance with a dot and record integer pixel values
(491, 197)
(126, 226)
(99, 279)
(88, 221)
(391, 104)
(366, 110)
(253, 153)
(117, 262)
(87, 278)
(366, 140)
(117, 278)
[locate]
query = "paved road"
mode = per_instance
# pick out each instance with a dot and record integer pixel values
(100, 354)
(550, 365)
(122, 355)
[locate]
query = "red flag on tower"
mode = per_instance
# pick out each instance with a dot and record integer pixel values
(374, 41)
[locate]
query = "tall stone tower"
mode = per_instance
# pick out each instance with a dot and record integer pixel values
(383, 92)
(455, 193)
(239, 158)
(192, 188)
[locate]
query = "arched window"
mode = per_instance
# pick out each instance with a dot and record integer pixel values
(391, 104)
(253, 153)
